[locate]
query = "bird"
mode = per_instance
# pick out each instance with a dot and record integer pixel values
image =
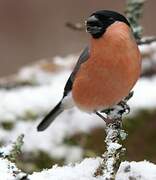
(106, 70)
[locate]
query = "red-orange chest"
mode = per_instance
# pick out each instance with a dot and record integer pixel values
(108, 75)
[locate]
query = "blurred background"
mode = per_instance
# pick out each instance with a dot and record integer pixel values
(34, 29)
(31, 30)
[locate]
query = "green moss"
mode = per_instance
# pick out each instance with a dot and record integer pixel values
(141, 141)
(16, 148)
(30, 115)
(44, 160)
(90, 153)
(7, 125)
(74, 140)
(132, 123)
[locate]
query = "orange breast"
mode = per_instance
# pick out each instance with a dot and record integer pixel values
(111, 71)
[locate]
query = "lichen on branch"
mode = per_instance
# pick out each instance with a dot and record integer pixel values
(114, 137)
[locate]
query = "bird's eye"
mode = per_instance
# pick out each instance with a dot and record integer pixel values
(111, 18)
(93, 23)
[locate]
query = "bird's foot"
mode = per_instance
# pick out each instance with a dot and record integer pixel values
(118, 110)
(124, 107)
(100, 115)
(129, 96)
(106, 119)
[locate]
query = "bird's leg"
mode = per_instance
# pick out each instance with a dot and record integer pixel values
(106, 120)
(100, 115)
(121, 107)
(125, 107)
(129, 96)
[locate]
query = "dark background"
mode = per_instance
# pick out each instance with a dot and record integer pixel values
(34, 29)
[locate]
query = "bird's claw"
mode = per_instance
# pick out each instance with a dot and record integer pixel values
(119, 109)
(125, 107)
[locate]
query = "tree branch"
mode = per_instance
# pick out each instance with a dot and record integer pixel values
(75, 26)
(114, 136)
(146, 40)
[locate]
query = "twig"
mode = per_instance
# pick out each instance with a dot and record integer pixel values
(134, 11)
(75, 26)
(146, 40)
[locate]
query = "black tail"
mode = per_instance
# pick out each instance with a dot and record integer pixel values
(50, 117)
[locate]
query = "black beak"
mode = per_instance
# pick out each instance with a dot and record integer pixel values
(93, 25)
(92, 19)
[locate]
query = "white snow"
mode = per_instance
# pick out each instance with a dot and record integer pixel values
(16, 103)
(113, 147)
(144, 94)
(148, 52)
(9, 171)
(5, 151)
(81, 171)
(143, 170)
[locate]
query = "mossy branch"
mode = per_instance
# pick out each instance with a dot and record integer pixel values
(114, 137)
(16, 148)
(11, 152)
(134, 11)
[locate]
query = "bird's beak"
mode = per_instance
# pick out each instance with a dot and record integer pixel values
(93, 25)
(92, 19)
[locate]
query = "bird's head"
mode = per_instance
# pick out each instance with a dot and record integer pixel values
(99, 21)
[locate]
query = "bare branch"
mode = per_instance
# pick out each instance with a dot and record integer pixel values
(75, 26)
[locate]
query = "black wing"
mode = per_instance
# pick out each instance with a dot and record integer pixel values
(83, 57)
(57, 109)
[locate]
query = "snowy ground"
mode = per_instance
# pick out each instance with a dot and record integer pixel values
(81, 171)
(128, 170)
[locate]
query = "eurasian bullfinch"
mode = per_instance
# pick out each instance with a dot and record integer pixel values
(106, 70)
